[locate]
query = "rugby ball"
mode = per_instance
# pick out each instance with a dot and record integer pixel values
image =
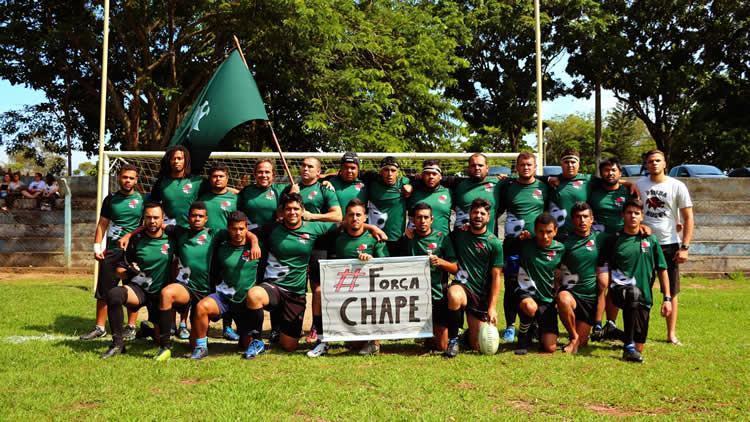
(489, 339)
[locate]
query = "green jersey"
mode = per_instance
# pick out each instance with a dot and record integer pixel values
(317, 198)
(346, 191)
(564, 196)
(466, 191)
(633, 260)
(153, 256)
(289, 253)
(349, 247)
(218, 208)
(234, 271)
(536, 275)
(124, 215)
(387, 207)
(477, 256)
(436, 243)
(523, 204)
(439, 199)
(607, 207)
(259, 204)
(194, 250)
(580, 263)
(176, 195)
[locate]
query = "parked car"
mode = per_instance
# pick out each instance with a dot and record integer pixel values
(552, 171)
(740, 172)
(696, 170)
(633, 170)
(498, 170)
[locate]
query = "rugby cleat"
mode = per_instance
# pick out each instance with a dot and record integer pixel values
(273, 338)
(319, 350)
(632, 356)
(452, 350)
(128, 333)
(524, 342)
(230, 334)
(596, 333)
(163, 355)
(97, 332)
(113, 351)
(183, 333)
(509, 334)
(611, 332)
(145, 330)
(199, 353)
(255, 348)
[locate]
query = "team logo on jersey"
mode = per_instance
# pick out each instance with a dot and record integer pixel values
(225, 205)
(644, 246)
(537, 194)
(432, 246)
(577, 184)
(187, 188)
(590, 244)
(245, 255)
(443, 199)
(270, 195)
(489, 186)
(654, 202)
(165, 249)
(201, 240)
(479, 245)
(358, 186)
(550, 255)
(303, 238)
(620, 201)
(362, 247)
(312, 194)
(133, 203)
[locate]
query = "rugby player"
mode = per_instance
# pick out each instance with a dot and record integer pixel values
(477, 283)
(260, 199)
(478, 185)
(388, 193)
(539, 261)
(346, 182)
(121, 213)
(428, 190)
(633, 259)
(176, 188)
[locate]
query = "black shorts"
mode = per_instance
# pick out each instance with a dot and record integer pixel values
(476, 305)
(641, 312)
(585, 309)
(107, 276)
(149, 300)
(313, 270)
(195, 297)
(291, 307)
(546, 314)
(440, 312)
(673, 268)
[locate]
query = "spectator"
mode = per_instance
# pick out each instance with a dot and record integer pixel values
(5, 189)
(36, 187)
(15, 189)
(50, 193)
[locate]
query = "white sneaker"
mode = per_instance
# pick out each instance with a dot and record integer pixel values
(319, 350)
(371, 348)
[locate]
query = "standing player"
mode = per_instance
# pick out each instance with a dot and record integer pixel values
(346, 183)
(540, 258)
(478, 185)
(667, 203)
(429, 191)
(633, 260)
(524, 199)
(176, 188)
(260, 199)
(477, 284)
(608, 197)
(233, 272)
(584, 278)
(121, 213)
(437, 244)
(388, 193)
(573, 187)
(353, 242)
(145, 270)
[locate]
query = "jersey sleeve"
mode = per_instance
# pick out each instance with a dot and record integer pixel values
(496, 259)
(106, 211)
(447, 250)
(682, 197)
(380, 250)
(330, 197)
(659, 261)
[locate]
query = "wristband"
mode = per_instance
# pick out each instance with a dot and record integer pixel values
(98, 249)
(667, 298)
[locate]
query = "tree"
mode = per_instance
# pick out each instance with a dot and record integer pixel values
(625, 136)
(86, 168)
(574, 131)
(36, 133)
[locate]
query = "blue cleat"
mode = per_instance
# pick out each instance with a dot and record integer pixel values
(509, 334)
(230, 334)
(182, 332)
(199, 353)
(255, 348)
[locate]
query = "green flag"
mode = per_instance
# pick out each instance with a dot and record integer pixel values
(229, 99)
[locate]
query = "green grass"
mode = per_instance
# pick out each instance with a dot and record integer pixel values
(61, 378)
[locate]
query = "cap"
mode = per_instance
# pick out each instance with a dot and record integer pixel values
(389, 161)
(350, 157)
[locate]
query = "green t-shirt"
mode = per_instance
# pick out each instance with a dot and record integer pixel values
(387, 207)
(523, 204)
(234, 272)
(124, 215)
(436, 243)
(536, 275)
(259, 204)
(564, 196)
(477, 255)
(289, 253)
(154, 258)
(349, 247)
(439, 199)
(194, 250)
(466, 191)
(346, 191)
(218, 207)
(580, 262)
(607, 207)
(176, 196)
(633, 260)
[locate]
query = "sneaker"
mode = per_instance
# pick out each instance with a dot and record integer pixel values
(452, 350)
(230, 334)
(319, 350)
(144, 330)
(509, 334)
(371, 348)
(463, 340)
(163, 354)
(596, 333)
(113, 351)
(273, 338)
(255, 348)
(94, 334)
(632, 356)
(611, 332)
(312, 336)
(183, 333)
(199, 353)
(128, 333)
(524, 342)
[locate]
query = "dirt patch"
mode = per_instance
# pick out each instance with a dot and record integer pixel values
(712, 286)
(13, 274)
(465, 385)
(193, 381)
(522, 405)
(607, 410)
(84, 405)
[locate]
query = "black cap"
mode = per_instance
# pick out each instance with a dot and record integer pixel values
(350, 157)
(389, 161)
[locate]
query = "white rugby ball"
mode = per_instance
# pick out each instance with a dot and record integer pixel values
(489, 339)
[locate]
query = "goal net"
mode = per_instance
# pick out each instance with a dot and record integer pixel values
(241, 164)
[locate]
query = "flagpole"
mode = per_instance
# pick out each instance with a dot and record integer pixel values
(270, 126)
(539, 127)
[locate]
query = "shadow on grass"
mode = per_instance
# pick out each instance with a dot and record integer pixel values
(70, 325)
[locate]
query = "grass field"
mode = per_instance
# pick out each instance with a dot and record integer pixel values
(46, 373)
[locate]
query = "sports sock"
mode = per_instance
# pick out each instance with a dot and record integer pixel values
(166, 318)
(510, 306)
(116, 298)
(598, 324)
(455, 318)
(630, 347)
(525, 323)
(202, 342)
(101, 327)
(318, 322)
(255, 322)
(628, 324)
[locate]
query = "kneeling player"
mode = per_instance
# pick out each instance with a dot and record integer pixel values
(477, 284)
(145, 271)
(583, 272)
(233, 271)
(633, 260)
(540, 257)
